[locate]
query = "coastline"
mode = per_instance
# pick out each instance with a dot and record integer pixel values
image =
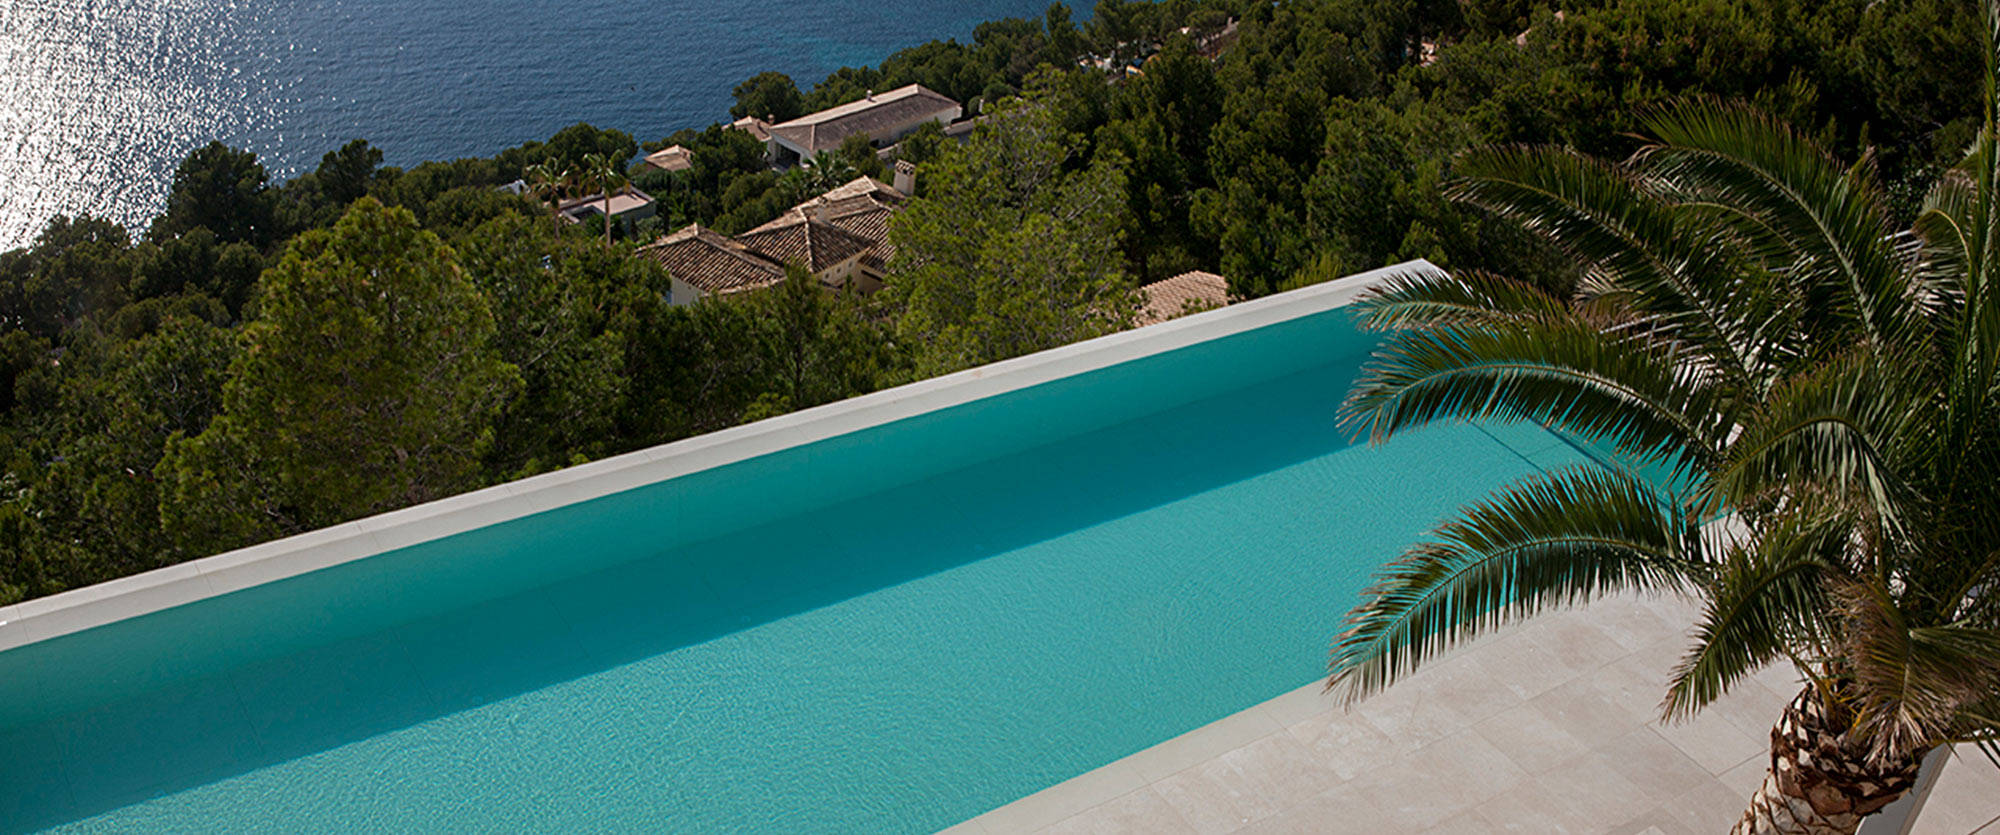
(109, 105)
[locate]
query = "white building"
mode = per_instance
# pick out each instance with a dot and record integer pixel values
(882, 117)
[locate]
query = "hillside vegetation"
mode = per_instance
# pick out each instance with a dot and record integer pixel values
(266, 358)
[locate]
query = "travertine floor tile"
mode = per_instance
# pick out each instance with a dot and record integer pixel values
(1344, 809)
(1531, 739)
(1139, 811)
(1966, 797)
(1548, 727)
(1345, 743)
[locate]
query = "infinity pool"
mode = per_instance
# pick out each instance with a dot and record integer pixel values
(888, 631)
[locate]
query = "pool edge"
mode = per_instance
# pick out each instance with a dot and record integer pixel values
(45, 618)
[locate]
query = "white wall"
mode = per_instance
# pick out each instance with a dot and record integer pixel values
(683, 292)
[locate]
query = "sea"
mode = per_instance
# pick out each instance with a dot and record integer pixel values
(100, 99)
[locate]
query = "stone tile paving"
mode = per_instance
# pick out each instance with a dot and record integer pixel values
(1545, 727)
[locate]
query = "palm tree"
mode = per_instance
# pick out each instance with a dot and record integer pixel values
(549, 183)
(829, 171)
(1823, 389)
(604, 175)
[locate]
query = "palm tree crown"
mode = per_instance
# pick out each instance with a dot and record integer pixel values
(1749, 320)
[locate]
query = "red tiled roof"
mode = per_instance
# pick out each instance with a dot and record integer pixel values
(861, 206)
(1185, 293)
(820, 233)
(712, 262)
(816, 244)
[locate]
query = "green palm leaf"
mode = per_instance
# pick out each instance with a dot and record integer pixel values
(1914, 682)
(1818, 220)
(1636, 250)
(1839, 429)
(1564, 374)
(1433, 298)
(1557, 540)
(1757, 609)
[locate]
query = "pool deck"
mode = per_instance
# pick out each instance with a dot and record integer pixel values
(1547, 726)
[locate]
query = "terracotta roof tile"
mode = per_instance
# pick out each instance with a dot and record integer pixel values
(816, 244)
(861, 206)
(1184, 293)
(712, 262)
(819, 233)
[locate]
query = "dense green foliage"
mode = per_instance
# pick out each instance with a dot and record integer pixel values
(143, 376)
(770, 96)
(170, 398)
(368, 382)
(1008, 252)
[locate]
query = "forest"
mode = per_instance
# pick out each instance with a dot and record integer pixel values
(265, 358)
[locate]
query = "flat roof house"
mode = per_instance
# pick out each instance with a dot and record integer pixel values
(671, 158)
(882, 117)
(628, 205)
(627, 208)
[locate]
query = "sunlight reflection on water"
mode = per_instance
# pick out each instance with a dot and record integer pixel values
(99, 99)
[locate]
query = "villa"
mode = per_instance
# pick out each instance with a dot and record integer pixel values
(882, 117)
(627, 207)
(841, 237)
(671, 158)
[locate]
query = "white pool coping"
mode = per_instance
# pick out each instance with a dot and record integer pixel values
(44, 618)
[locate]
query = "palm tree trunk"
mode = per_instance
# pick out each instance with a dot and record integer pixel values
(1821, 780)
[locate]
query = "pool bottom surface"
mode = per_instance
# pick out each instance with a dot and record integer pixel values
(896, 663)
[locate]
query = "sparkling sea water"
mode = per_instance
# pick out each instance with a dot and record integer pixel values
(100, 99)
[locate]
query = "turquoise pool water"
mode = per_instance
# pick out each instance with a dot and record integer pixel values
(890, 631)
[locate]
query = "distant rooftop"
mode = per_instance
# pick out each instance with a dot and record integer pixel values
(878, 115)
(754, 126)
(814, 243)
(713, 262)
(851, 220)
(861, 207)
(1188, 292)
(629, 200)
(671, 158)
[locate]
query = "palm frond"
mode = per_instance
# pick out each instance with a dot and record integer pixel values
(1563, 374)
(1825, 223)
(1838, 429)
(1914, 683)
(1960, 229)
(1634, 247)
(1435, 298)
(1555, 540)
(1760, 606)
